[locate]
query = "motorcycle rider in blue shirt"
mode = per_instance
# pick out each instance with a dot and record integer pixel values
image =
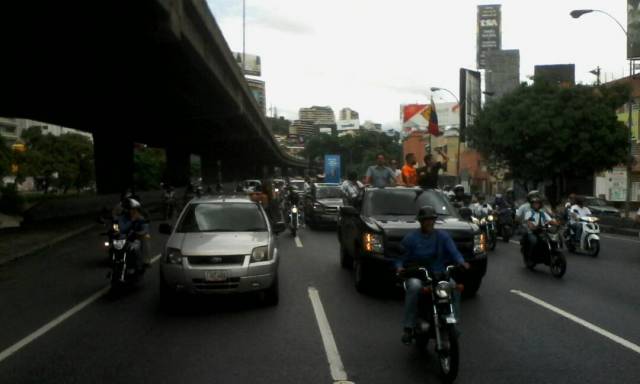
(430, 248)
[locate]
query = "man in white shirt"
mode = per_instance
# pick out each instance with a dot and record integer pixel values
(578, 210)
(351, 189)
(534, 219)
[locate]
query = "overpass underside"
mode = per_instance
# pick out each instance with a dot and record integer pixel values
(154, 72)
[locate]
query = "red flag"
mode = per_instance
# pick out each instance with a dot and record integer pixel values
(433, 121)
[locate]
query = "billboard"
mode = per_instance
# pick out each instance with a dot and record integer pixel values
(415, 117)
(470, 103)
(257, 88)
(252, 66)
(347, 125)
(563, 75)
(489, 35)
(331, 168)
(633, 29)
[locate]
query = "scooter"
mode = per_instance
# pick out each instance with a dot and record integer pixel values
(294, 219)
(547, 251)
(125, 252)
(436, 318)
(589, 242)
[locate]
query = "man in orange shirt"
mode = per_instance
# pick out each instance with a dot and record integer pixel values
(409, 175)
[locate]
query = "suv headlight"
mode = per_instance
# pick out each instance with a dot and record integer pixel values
(174, 256)
(373, 243)
(318, 207)
(260, 254)
(479, 243)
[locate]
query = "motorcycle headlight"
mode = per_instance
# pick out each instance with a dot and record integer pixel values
(277, 190)
(479, 243)
(106, 243)
(260, 254)
(373, 243)
(294, 210)
(174, 256)
(119, 244)
(443, 290)
(491, 218)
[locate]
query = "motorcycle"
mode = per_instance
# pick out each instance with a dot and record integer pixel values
(436, 318)
(487, 226)
(504, 224)
(125, 253)
(169, 205)
(547, 251)
(294, 219)
(589, 242)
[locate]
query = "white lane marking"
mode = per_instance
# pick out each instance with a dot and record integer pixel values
(514, 242)
(619, 238)
(333, 356)
(53, 323)
(617, 339)
(152, 261)
(298, 242)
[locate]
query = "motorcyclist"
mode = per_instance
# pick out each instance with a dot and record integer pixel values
(499, 202)
(481, 208)
(534, 219)
(460, 199)
(428, 247)
(168, 201)
(577, 211)
(524, 209)
(132, 223)
(291, 198)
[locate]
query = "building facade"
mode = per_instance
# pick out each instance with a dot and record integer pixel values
(303, 128)
(349, 114)
(503, 72)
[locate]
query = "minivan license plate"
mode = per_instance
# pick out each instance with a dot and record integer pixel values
(215, 276)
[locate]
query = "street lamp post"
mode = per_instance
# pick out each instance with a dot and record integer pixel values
(576, 14)
(436, 89)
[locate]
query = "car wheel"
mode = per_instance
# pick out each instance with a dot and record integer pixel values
(272, 294)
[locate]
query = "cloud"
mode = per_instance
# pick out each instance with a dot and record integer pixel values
(282, 24)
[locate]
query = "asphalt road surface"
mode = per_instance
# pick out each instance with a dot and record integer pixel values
(58, 326)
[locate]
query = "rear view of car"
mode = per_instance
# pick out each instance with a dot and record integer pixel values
(219, 246)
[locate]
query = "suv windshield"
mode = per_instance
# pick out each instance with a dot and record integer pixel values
(328, 192)
(404, 202)
(223, 217)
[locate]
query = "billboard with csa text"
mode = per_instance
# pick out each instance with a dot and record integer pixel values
(633, 29)
(489, 34)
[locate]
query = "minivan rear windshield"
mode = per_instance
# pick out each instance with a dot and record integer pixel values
(404, 202)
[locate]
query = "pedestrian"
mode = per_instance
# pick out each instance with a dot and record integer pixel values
(409, 174)
(428, 175)
(397, 173)
(379, 175)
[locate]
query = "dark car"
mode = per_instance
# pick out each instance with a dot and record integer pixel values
(322, 204)
(600, 208)
(370, 236)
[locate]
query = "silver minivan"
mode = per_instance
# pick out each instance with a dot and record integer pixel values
(221, 245)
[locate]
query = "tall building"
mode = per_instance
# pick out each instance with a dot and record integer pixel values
(9, 130)
(303, 128)
(371, 126)
(316, 114)
(349, 114)
(503, 72)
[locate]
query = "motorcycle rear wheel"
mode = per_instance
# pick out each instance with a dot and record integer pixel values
(449, 359)
(594, 250)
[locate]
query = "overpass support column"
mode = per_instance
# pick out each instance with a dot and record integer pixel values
(178, 166)
(210, 168)
(113, 153)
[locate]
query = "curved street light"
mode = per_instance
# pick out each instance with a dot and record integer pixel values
(576, 13)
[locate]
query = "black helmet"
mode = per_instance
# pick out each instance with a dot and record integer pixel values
(426, 212)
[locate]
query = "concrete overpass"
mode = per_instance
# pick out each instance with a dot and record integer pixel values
(157, 72)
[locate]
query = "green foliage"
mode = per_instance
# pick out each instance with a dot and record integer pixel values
(149, 166)
(5, 159)
(64, 161)
(279, 126)
(357, 152)
(542, 132)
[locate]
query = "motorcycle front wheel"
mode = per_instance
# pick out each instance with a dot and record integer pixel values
(558, 265)
(449, 356)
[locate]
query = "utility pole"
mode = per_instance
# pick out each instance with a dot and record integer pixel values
(244, 12)
(596, 72)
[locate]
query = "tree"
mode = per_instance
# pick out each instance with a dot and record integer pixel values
(357, 152)
(543, 132)
(149, 166)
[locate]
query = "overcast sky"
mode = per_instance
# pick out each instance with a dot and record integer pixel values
(373, 55)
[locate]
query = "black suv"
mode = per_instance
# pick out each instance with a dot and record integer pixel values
(370, 236)
(322, 204)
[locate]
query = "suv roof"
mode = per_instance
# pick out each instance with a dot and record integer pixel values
(223, 199)
(326, 184)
